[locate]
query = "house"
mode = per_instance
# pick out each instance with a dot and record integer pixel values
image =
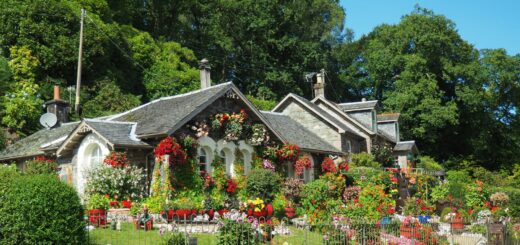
(319, 127)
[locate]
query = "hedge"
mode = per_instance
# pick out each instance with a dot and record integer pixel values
(40, 209)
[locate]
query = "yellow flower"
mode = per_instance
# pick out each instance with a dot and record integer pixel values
(257, 210)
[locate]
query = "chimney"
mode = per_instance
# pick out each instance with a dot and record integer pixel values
(205, 79)
(58, 107)
(319, 87)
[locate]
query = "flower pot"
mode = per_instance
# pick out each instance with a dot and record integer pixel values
(262, 213)
(406, 231)
(98, 217)
(221, 212)
(457, 223)
(270, 210)
(423, 219)
(170, 214)
(290, 212)
(211, 213)
(183, 213)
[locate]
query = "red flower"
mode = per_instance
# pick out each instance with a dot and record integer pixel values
(231, 186)
(116, 159)
(301, 164)
(328, 166)
(390, 211)
(344, 166)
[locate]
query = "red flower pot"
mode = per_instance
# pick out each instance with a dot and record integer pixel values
(171, 213)
(270, 210)
(98, 217)
(211, 213)
(457, 223)
(290, 212)
(262, 213)
(221, 212)
(183, 213)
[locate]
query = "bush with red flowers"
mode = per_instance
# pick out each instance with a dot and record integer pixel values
(344, 166)
(116, 159)
(231, 186)
(328, 166)
(170, 146)
(301, 164)
(289, 152)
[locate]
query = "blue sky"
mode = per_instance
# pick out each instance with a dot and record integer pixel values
(483, 23)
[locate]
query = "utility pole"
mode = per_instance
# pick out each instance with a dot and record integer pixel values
(77, 106)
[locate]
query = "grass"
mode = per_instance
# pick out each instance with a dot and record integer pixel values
(128, 235)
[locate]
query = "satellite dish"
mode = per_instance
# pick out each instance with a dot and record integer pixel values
(48, 120)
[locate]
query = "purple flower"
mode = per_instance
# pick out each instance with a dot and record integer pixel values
(268, 165)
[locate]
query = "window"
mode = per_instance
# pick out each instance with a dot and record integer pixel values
(203, 161)
(96, 156)
(348, 146)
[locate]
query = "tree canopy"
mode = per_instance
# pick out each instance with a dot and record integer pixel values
(457, 102)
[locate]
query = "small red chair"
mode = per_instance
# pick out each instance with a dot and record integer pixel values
(148, 225)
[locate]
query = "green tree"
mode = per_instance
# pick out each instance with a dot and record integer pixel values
(22, 103)
(171, 72)
(109, 100)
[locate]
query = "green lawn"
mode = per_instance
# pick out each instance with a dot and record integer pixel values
(128, 235)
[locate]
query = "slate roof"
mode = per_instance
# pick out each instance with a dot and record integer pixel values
(32, 144)
(405, 146)
(159, 116)
(117, 133)
(295, 133)
(362, 105)
(324, 114)
(388, 117)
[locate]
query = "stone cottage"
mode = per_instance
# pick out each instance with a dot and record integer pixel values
(319, 127)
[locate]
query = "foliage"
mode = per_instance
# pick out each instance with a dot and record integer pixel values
(155, 203)
(292, 189)
(121, 182)
(440, 192)
(175, 238)
(234, 232)
(45, 198)
(428, 163)
(364, 159)
(40, 166)
(109, 100)
(8, 173)
(22, 102)
(261, 104)
(98, 201)
(263, 184)
(171, 72)
(383, 154)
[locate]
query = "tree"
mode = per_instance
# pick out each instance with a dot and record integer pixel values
(171, 72)
(22, 104)
(109, 100)
(258, 44)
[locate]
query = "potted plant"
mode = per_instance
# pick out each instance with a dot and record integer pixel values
(409, 227)
(126, 203)
(290, 212)
(457, 221)
(292, 189)
(258, 207)
(425, 211)
(183, 207)
(97, 206)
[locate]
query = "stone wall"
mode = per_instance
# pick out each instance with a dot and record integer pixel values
(364, 117)
(324, 130)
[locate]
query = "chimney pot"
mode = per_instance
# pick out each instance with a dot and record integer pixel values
(56, 92)
(205, 75)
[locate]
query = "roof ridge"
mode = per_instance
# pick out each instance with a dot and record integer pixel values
(105, 121)
(357, 102)
(166, 98)
(389, 114)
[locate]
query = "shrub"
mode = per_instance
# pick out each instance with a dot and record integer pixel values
(364, 159)
(41, 210)
(121, 182)
(263, 184)
(40, 166)
(8, 173)
(98, 201)
(428, 163)
(175, 238)
(233, 232)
